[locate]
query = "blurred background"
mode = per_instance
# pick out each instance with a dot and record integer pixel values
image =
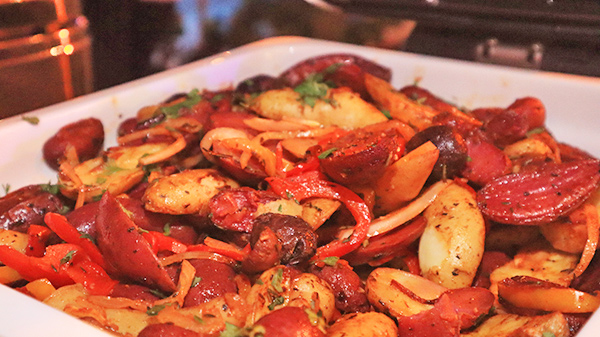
(54, 50)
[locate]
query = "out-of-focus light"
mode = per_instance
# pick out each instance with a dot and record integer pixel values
(59, 50)
(55, 51)
(69, 49)
(63, 34)
(217, 60)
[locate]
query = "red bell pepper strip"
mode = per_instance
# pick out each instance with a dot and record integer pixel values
(160, 242)
(221, 248)
(61, 226)
(93, 278)
(63, 264)
(52, 265)
(311, 164)
(312, 184)
(38, 236)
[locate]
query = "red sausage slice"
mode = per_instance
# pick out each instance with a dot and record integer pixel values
(125, 249)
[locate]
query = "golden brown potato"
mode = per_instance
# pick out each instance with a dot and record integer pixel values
(545, 264)
(385, 291)
(187, 192)
(403, 180)
(341, 107)
(452, 244)
(508, 325)
(399, 105)
(363, 324)
(281, 286)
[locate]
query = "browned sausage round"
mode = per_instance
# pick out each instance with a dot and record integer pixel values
(362, 155)
(86, 136)
(124, 248)
(298, 241)
(233, 209)
(532, 109)
(27, 206)
(346, 284)
(167, 330)
(134, 292)
(288, 322)
(215, 279)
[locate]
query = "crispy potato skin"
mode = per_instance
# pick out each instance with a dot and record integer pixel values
(363, 324)
(293, 289)
(343, 108)
(509, 325)
(386, 297)
(187, 192)
(452, 244)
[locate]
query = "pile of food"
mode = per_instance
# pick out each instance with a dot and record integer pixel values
(323, 201)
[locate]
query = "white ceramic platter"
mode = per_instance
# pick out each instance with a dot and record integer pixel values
(572, 102)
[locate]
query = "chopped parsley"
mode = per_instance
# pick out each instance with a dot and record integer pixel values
(50, 188)
(386, 113)
(231, 330)
(217, 98)
(331, 260)
(279, 300)
(6, 188)
(167, 229)
(157, 293)
(327, 153)
(111, 167)
(153, 311)
(68, 257)
(536, 131)
(87, 236)
(172, 111)
(196, 280)
(31, 120)
(276, 280)
(312, 89)
(333, 68)
(198, 319)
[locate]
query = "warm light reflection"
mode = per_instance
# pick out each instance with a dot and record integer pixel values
(59, 50)
(63, 34)
(217, 60)
(65, 46)
(55, 51)
(68, 49)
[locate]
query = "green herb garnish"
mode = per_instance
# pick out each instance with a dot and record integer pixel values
(327, 153)
(331, 260)
(68, 257)
(196, 280)
(386, 113)
(6, 188)
(172, 111)
(31, 120)
(276, 280)
(231, 331)
(153, 311)
(87, 236)
(167, 229)
(276, 301)
(312, 89)
(50, 188)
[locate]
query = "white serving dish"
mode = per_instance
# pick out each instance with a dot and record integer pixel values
(572, 102)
